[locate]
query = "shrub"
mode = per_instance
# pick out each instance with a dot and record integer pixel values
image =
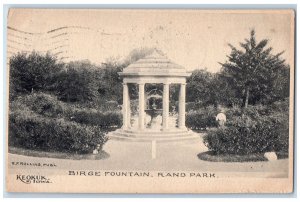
(30, 130)
(251, 111)
(202, 118)
(192, 106)
(280, 106)
(280, 112)
(99, 104)
(250, 134)
(97, 118)
(48, 106)
(40, 103)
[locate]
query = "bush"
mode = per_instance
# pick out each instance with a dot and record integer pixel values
(280, 112)
(32, 131)
(48, 106)
(99, 104)
(280, 106)
(251, 111)
(96, 118)
(192, 106)
(251, 133)
(202, 118)
(40, 103)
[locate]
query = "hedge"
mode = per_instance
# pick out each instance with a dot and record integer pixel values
(96, 118)
(32, 131)
(48, 106)
(251, 133)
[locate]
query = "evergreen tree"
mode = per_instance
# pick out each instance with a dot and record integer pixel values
(254, 71)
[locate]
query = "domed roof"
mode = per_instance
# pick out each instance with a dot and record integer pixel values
(155, 64)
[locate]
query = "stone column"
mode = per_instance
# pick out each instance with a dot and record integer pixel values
(141, 106)
(128, 111)
(181, 114)
(125, 106)
(165, 106)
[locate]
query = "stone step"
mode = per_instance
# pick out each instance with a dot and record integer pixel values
(129, 139)
(154, 132)
(148, 138)
(149, 135)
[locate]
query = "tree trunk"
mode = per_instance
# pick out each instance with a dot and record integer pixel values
(247, 97)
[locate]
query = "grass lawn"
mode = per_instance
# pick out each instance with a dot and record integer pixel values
(58, 155)
(210, 156)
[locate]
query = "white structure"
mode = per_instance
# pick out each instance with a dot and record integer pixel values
(271, 156)
(153, 69)
(221, 119)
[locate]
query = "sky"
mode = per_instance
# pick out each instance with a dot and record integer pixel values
(195, 39)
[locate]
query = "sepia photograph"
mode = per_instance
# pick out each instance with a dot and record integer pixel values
(150, 100)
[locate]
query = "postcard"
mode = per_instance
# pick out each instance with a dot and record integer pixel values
(150, 100)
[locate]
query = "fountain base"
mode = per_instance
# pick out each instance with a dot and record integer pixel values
(148, 135)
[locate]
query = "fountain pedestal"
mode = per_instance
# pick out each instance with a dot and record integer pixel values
(156, 118)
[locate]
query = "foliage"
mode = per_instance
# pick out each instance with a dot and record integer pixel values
(211, 156)
(40, 121)
(40, 103)
(256, 130)
(251, 110)
(96, 118)
(33, 72)
(77, 83)
(48, 106)
(206, 88)
(281, 107)
(109, 83)
(202, 118)
(33, 131)
(199, 86)
(192, 106)
(97, 104)
(281, 85)
(256, 74)
(223, 92)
